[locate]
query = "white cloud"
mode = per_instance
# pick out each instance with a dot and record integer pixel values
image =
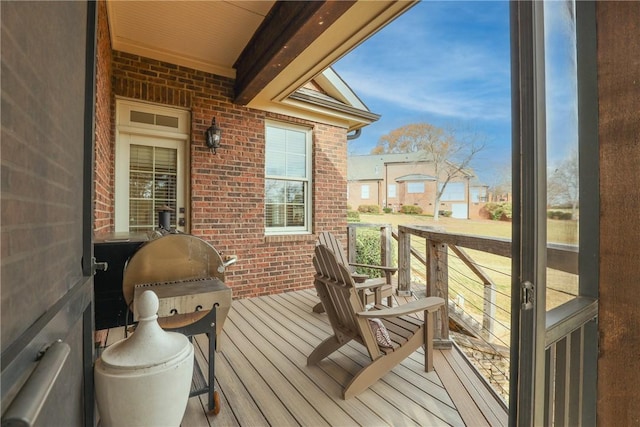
(435, 63)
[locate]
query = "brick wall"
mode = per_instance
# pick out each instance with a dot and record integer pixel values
(104, 149)
(227, 188)
(375, 196)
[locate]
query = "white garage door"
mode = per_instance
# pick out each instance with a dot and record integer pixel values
(459, 210)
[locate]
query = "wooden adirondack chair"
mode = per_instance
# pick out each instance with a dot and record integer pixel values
(350, 321)
(371, 290)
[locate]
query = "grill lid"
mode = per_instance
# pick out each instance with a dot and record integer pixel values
(171, 258)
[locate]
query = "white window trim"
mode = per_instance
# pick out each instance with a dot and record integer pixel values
(447, 196)
(306, 229)
(125, 128)
(392, 191)
(365, 195)
(410, 184)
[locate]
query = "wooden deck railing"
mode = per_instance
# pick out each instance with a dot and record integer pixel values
(569, 327)
(559, 257)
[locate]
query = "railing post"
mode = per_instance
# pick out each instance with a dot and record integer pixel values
(351, 243)
(489, 311)
(385, 245)
(438, 286)
(404, 262)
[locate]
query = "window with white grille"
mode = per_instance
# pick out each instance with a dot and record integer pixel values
(415, 187)
(152, 185)
(287, 179)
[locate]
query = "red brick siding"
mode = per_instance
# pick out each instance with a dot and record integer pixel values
(104, 149)
(227, 188)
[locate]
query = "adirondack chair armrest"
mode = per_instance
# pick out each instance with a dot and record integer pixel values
(370, 284)
(429, 304)
(391, 270)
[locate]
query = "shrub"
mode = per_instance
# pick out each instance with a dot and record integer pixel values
(507, 210)
(559, 215)
(387, 210)
(372, 209)
(411, 209)
(566, 215)
(499, 210)
(368, 251)
(445, 213)
(353, 216)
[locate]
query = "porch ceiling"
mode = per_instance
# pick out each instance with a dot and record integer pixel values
(205, 35)
(293, 42)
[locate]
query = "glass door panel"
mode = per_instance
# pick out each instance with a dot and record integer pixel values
(561, 99)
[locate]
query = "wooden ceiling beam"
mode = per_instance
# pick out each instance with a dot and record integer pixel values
(288, 29)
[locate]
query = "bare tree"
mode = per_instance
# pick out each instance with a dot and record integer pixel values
(450, 151)
(501, 182)
(562, 184)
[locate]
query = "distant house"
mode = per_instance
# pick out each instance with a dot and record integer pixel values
(396, 180)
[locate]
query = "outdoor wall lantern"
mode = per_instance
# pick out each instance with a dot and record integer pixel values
(212, 135)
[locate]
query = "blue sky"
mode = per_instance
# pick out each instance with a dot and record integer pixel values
(442, 62)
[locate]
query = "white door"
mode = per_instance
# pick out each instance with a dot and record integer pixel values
(151, 171)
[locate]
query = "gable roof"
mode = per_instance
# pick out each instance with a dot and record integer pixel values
(328, 94)
(371, 167)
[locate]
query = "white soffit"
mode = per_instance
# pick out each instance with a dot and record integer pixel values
(205, 35)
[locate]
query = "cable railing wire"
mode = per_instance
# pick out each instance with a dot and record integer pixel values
(508, 328)
(458, 281)
(486, 267)
(453, 255)
(474, 292)
(488, 344)
(461, 282)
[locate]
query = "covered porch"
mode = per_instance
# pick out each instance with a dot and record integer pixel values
(262, 377)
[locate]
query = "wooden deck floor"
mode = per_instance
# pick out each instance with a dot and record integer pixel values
(263, 379)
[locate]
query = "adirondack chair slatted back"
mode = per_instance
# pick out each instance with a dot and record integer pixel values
(334, 245)
(336, 290)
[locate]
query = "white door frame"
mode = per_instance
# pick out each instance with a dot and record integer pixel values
(131, 130)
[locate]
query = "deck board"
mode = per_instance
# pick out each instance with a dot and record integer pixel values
(353, 356)
(263, 379)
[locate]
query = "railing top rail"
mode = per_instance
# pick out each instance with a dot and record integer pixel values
(561, 257)
(494, 245)
(367, 225)
(566, 318)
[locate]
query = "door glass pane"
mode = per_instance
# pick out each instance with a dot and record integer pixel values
(152, 185)
(563, 207)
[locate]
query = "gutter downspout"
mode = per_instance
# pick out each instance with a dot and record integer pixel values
(355, 135)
